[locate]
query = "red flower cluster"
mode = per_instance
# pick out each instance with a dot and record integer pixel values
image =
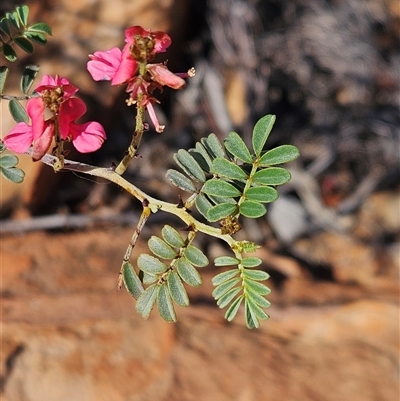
(122, 66)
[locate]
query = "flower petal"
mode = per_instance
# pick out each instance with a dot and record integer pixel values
(162, 75)
(70, 110)
(87, 137)
(19, 138)
(127, 68)
(35, 108)
(42, 144)
(104, 64)
(153, 117)
(48, 82)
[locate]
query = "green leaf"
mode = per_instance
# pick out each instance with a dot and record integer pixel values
(160, 248)
(7, 161)
(257, 310)
(203, 163)
(251, 261)
(28, 76)
(3, 76)
(17, 111)
(2, 146)
(226, 168)
(202, 204)
(150, 264)
(221, 199)
(36, 37)
(5, 26)
(220, 211)
(177, 290)
(224, 276)
(227, 297)
(225, 261)
(172, 237)
(225, 287)
(164, 303)
(252, 209)
(263, 194)
(13, 174)
(251, 318)
(236, 146)
(146, 301)
(9, 52)
(148, 278)
(220, 188)
(24, 44)
(259, 300)
(233, 309)
(131, 280)
(279, 155)
(261, 132)
(13, 18)
(23, 13)
(272, 176)
(200, 149)
(189, 165)
(40, 27)
(257, 275)
(213, 146)
(180, 181)
(195, 256)
(188, 273)
(256, 287)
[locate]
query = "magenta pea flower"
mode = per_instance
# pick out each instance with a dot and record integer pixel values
(55, 96)
(131, 66)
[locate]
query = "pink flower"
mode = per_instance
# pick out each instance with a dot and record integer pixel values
(56, 95)
(121, 67)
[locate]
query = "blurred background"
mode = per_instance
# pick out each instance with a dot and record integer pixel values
(329, 70)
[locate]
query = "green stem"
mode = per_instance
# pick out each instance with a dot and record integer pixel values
(154, 204)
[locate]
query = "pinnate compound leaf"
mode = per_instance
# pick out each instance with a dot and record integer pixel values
(188, 273)
(259, 300)
(177, 290)
(251, 261)
(257, 310)
(252, 209)
(226, 299)
(220, 188)
(262, 194)
(7, 161)
(205, 164)
(28, 76)
(279, 155)
(225, 287)
(150, 264)
(219, 212)
(236, 146)
(261, 132)
(226, 168)
(148, 278)
(164, 303)
(17, 111)
(225, 261)
(9, 52)
(272, 176)
(172, 237)
(160, 248)
(180, 181)
(189, 165)
(13, 174)
(225, 276)
(213, 146)
(251, 318)
(3, 76)
(233, 309)
(5, 26)
(195, 256)
(146, 301)
(24, 44)
(257, 275)
(131, 280)
(13, 18)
